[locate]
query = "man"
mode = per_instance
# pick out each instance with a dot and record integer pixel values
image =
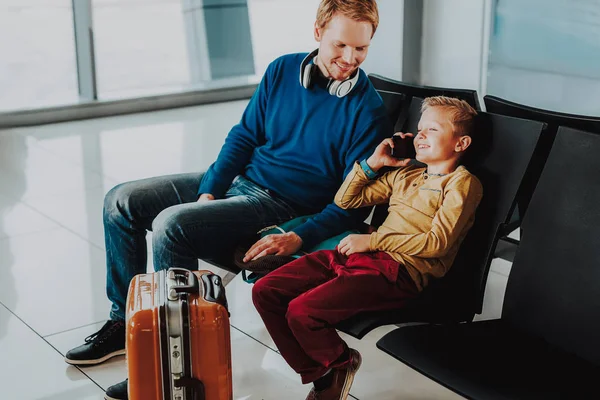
(310, 119)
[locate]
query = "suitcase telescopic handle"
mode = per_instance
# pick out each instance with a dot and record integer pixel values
(195, 384)
(192, 286)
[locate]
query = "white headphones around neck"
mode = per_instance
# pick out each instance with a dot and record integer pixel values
(309, 68)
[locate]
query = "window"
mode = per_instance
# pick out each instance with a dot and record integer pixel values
(142, 47)
(546, 53)
(37, 54)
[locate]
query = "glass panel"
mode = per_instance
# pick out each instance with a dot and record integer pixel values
(139, 47)
(37, 54)
(162, 46)
(546, 53)
(145, 47)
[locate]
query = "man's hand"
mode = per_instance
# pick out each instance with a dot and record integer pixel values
(382, 156)
(355, 244)
(283, 244)
(205, 197)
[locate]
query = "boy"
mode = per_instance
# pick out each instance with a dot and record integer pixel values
(431, 210)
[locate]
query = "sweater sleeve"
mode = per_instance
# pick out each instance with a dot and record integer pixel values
(358, 191)
(240, 143)
(461, 198)
(333, 220)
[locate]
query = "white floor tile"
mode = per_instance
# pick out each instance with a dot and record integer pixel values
(17, 218)
(243, 314)
(494, 296)
(13, 150)
(106, 374)
(184, 140)
(261, 373)
(501, 266)
(53, 280)
(258, 372)
(118, 164)
(30, 369)
(382, 377)
(41, 173)
(516, 234)
(80, 212)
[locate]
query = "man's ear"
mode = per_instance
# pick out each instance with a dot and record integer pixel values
(318, 32)
(463, 144)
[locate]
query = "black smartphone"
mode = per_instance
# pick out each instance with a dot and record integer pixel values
(403, 148)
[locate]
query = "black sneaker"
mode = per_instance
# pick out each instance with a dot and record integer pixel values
(108, 342)
(117, 392)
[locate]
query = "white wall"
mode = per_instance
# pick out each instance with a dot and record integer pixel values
(455, 43)
(294, 24)
(281, 27)
(385, 54)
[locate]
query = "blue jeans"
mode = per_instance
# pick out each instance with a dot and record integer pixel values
(183, 230)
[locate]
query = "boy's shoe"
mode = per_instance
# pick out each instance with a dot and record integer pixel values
(117, 392)
(342, 381)
(108, 342)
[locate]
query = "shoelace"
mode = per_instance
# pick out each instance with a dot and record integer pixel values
(108, 328)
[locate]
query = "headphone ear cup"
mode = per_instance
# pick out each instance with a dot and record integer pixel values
(342, 88)
(333, 86)
(307, 76)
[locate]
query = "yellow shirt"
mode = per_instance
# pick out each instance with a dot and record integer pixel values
(429, 215)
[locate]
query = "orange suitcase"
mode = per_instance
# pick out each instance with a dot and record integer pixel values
(178, 345)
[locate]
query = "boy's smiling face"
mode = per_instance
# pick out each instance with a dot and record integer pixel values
(436, 141)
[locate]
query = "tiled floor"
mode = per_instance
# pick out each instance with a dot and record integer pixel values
(52, 182)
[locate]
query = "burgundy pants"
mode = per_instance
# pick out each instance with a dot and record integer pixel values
(302, 301)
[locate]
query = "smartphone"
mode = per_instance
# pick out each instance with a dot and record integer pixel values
(403, 148)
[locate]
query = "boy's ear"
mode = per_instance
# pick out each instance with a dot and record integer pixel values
(463, 144)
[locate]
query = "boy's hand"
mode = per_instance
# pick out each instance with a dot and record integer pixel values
(355, 244)
(283, 244)
(382, 156)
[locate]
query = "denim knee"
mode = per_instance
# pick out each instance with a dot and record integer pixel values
(116, 203)
(167, 226)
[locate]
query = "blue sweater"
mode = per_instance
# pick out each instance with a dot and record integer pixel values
(300, 144)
